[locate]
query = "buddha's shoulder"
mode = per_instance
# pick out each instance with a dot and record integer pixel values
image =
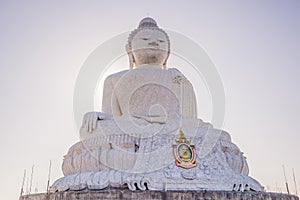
(116, 76)
(178, 76)
(174, 71)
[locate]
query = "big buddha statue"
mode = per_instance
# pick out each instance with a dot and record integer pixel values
(147, 135)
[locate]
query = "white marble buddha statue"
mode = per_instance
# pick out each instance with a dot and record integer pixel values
(133, 140)
(148, 48)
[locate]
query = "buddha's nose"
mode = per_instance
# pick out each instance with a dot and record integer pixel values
(153, 43)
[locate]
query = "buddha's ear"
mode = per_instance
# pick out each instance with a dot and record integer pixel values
(165, 65)
(130, 56)
(165, 62)
(131, 60)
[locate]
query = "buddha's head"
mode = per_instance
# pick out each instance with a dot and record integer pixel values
(148, 44)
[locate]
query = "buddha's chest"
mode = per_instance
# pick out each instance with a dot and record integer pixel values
(148, 93)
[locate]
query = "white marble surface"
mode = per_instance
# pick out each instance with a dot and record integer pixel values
(159, 172)
(130, 143)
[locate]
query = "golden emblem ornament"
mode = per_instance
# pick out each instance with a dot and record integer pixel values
(184, 152)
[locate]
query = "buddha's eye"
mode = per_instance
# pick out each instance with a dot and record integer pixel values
(145, 39)
(161, 41)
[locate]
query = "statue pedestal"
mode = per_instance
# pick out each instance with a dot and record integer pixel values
(128, 194)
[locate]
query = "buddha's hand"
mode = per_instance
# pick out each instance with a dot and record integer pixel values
(90, 120)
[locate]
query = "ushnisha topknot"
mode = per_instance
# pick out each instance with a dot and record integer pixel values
(145, 23)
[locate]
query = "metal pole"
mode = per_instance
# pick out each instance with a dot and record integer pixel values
(295, 182)
(31, 179)
(48, 182)
(286, 183)
(23, 181)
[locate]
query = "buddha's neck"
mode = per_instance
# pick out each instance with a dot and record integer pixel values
(154, 65)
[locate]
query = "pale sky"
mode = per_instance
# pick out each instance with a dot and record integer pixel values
(43, 45)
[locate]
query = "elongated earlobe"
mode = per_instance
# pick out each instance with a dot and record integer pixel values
(131, 61)
(165, 65)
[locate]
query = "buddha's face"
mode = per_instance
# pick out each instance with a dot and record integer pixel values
(150, 47)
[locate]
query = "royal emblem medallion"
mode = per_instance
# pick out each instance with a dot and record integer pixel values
(184, 152)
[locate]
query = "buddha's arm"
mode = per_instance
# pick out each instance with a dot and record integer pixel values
(189, 103)
(109, 107)
(187, 94)
(90, 119)
(110, 103)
